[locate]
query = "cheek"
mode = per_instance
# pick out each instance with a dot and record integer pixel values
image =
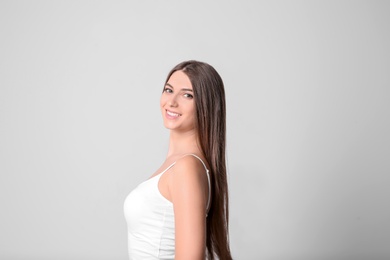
(162, 101)
(191, 110)
(193, 107)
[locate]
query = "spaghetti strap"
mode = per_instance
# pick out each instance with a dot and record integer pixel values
(170, 166)
(161, 173)
(208, 179)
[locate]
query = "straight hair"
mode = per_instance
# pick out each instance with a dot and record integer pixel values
(210, 125)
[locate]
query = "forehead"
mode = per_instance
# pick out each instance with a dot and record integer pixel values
(180, 80)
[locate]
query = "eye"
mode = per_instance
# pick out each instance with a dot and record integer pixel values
(168, 90)
(188, 95)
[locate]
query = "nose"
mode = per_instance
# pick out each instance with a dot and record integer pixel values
(172, 101)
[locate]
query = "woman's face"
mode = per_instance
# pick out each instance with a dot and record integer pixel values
(177, 103)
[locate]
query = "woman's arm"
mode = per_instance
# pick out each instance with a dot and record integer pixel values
(188, 188)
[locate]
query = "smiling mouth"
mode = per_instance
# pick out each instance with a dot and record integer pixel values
(172, 114)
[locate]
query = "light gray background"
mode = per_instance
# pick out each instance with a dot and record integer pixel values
(307, 87)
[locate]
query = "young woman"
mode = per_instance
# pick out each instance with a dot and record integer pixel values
(181, 211)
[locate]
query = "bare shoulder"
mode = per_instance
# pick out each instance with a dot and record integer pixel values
(189, 174)
(189, 165)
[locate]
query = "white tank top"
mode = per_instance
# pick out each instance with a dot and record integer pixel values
(150, 220)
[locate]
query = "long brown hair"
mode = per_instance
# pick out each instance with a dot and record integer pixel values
(209, 97)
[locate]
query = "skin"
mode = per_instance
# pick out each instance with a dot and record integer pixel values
(185, 184)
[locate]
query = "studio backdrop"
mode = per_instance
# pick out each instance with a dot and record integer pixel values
(308, 108)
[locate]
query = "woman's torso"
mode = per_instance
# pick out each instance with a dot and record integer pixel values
(150, 220)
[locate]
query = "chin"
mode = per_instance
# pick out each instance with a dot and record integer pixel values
(170, 126)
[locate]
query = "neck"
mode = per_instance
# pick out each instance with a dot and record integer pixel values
(182, 143)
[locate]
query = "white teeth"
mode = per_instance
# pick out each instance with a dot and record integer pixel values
(172, 114)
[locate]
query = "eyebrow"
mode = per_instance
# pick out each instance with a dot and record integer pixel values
(185, 89)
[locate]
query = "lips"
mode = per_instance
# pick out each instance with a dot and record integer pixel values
(171, 114)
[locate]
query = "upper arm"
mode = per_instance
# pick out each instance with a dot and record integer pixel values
(189, 193)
